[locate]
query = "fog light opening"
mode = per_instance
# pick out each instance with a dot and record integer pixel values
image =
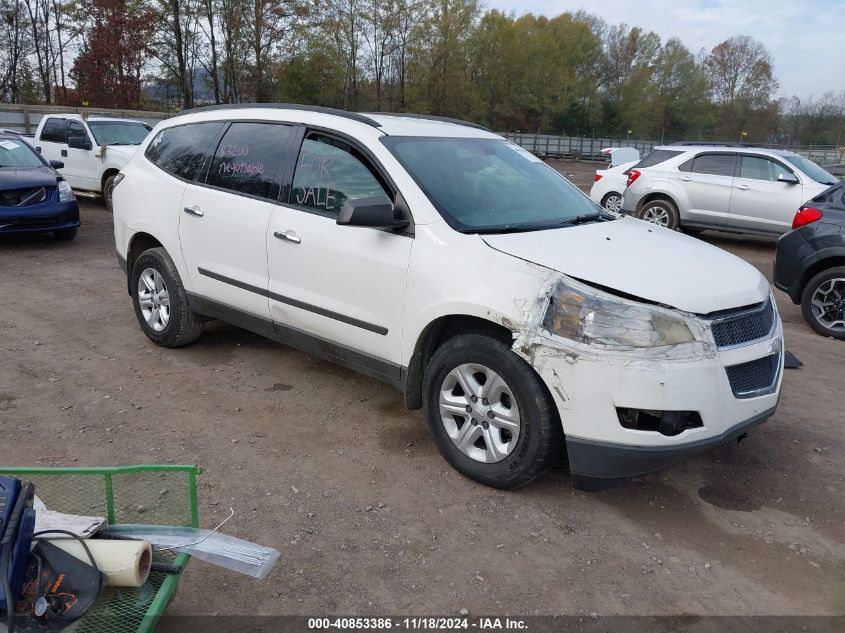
(668, 423)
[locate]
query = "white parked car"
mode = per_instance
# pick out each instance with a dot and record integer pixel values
(94, 149)
(609, 186)
(440, 258)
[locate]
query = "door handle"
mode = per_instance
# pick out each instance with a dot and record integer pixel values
(743, 187)
(290, 236)
(686, 178)
(64, 152)
(194, 211)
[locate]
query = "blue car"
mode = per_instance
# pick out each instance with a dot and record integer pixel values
(33, 195)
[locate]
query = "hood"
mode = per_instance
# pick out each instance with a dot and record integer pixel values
(123, 151)
(26, 178)
(642, 260)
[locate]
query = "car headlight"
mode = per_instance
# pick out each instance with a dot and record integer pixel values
(580, 313)
(65, 192)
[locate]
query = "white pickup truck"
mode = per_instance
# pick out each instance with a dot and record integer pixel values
(93, 148)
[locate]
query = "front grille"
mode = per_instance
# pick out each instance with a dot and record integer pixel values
(23, 197)
(754, 378)
(744, 327)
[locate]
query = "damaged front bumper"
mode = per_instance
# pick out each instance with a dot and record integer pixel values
(633, 410)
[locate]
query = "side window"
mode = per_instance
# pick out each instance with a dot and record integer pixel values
(181, 150)
(759, 168)
(75, 130)
(328, 173)
(714, 164)
(54, 131)
(248, 157)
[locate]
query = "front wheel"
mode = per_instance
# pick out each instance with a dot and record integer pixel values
(491, 416)
(823, 302)
(108, 190)
(661, 212)
(160, 301)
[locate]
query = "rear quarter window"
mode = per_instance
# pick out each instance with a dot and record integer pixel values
(655, 157)
(182, 150)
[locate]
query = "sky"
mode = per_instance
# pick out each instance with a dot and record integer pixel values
(803, 36)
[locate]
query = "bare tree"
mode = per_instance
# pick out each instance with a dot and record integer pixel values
(740, 69)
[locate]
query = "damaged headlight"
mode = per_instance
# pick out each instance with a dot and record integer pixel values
(580, 313)
(65, 192)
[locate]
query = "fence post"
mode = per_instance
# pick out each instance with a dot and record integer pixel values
(26, 123)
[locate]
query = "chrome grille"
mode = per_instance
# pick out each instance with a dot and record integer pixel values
(754, 378)
(745, 326)
(22, 197)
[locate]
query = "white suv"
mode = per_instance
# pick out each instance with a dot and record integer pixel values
(442, 259)
(94, 149)
(737, 189)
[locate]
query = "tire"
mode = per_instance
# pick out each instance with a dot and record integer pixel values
(535, 444)
(661, 212)
(181, 325)
(612, 202)
(826, 286)
(65, 234)
(108, 188)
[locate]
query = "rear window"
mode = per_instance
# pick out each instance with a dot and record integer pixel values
(655, 157)
(712, 164)
(182, 150)
(54, 131)
(248, 157)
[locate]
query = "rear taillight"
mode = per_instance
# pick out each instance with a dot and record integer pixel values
(632, 176)
(597, 177)
(806, 216)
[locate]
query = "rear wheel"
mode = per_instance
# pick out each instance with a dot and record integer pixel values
(491, 416)
(661, 212)
(823, 302)
(612, 202)
(160, 301)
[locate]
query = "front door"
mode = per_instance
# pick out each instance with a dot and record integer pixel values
(224, 217)
(759, 202)
(82, 166)
(342, 287)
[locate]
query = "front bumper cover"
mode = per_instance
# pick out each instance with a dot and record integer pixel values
(597, 465)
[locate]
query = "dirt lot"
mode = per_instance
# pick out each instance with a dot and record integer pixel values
(327, 467)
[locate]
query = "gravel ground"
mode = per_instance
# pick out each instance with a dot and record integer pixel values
(327, 467)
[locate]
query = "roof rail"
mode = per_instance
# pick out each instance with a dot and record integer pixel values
(431, 117)
(355, 116)
(709, 143)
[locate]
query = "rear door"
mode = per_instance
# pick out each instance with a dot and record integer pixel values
(759, 202)
(707, 179)
(224, 218)
(51, 138)
(82, 166)
(341, 288)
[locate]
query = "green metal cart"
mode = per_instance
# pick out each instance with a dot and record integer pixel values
(150, 494)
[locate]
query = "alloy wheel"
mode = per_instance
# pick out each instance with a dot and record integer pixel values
(154, 299)
(479, 413)
(828, 304)
(613, 203)
(657, 214)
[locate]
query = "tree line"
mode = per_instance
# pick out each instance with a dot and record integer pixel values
(572, 74)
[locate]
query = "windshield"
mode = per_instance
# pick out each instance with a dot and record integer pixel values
(18, 155)
(812, 170)
(490, 185)
(118, 132)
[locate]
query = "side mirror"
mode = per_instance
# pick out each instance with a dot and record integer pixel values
(376, 212)
(789, 179)
(56, 164)
(78, 142)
